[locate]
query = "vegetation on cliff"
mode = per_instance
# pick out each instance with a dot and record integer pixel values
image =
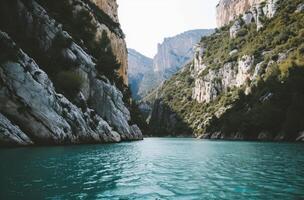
(65, 84)
(271, 110)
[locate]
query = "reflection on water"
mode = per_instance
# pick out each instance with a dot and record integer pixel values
(155, 169)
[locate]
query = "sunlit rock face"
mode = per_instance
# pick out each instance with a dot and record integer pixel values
(217, 81)
(118, 44)
(209, 85)
(109, 7)
(229, 10)
(172, 54)
(176, 51)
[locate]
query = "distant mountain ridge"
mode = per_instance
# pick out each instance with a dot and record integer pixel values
(139, 66)
(171, 55)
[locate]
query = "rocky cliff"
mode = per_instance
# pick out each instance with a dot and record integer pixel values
(109, 7)
(171, 55)
(241, 86)
(229, 10)
(140, 66)
(176, 51)
(44, 53)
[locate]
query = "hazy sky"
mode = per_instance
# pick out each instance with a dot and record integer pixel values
(147, 22)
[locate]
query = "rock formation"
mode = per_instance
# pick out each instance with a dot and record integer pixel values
(109, 7)
(229, 10)
(243, 83)
(118, 44)
(96, 113)
(215, 82)
(140, 66)
(176, 51)
(171, 55)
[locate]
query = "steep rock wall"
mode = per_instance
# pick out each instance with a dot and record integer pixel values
(245, 81)
(118, 44)
(229, 10)
(172, 54)
(97, 114)
(109, 7)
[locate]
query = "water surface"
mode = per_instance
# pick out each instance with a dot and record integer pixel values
(155, 168)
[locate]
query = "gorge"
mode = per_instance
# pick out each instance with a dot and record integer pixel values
(64, 85)
(221, 109)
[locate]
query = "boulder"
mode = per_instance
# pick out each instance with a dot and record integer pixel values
(234, 29)
(300, 8)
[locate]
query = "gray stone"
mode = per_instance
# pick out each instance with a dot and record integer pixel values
(300, 8)
(11, 134)
(215, 82)
(234, 29)
(234, 51)
(248, 18)
(300, 138)
(56, 119)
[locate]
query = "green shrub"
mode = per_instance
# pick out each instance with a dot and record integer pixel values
(242, 32)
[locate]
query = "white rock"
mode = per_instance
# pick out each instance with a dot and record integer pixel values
(234, 29)
(248, 17)
(300, 8)
(234, 51)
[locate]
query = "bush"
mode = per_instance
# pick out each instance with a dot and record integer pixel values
(242, 32)
(301, 50)
(69, 83)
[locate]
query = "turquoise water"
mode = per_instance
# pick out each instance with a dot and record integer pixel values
(155, 169)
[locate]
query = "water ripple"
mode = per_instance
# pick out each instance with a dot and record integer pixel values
(155, 169)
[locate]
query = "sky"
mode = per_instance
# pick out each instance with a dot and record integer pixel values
(147, 22)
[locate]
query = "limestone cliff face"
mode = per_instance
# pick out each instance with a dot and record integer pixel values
(120, 51)
(139, 67)
(171, 55)
(245, 81)
(118, 44)
(217, 81)
(176, 51)
(33, 112)
(229, 10)
(232, 74)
